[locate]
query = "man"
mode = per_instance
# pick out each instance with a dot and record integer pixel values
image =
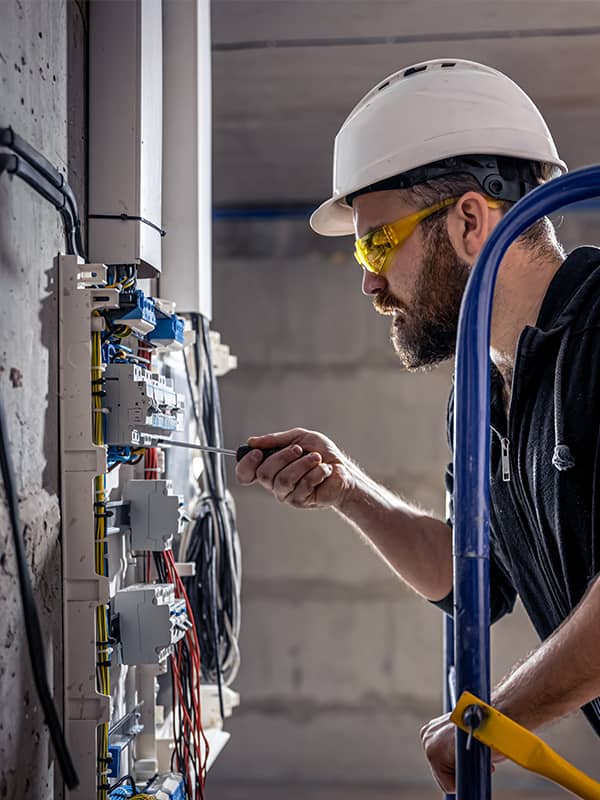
(425, 166)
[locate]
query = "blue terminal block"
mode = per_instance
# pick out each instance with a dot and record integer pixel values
(140, 314)
(114, 766)
(168, 330)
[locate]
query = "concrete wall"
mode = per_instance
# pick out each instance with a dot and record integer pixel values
(341, 664)
(41, 44)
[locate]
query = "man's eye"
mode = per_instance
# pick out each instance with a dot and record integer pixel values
(380, 239)
(377, 256)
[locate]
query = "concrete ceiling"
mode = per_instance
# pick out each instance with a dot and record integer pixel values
(287, 72)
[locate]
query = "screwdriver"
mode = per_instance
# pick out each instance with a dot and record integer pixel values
(242, 450)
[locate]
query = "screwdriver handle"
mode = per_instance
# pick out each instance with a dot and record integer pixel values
(244, 449)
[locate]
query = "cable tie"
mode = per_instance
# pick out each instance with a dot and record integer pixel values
(128, 218)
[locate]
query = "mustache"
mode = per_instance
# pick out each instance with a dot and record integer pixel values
(385, 303)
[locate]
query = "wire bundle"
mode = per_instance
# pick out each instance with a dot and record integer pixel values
(103, 645)
(191, 747)
(190, 754)
(212, 541)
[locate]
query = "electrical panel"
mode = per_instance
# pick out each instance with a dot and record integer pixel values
(150, 638)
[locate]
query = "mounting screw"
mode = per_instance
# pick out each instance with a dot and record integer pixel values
(472, 718)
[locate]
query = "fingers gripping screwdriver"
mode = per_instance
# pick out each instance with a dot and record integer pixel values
(242, 450)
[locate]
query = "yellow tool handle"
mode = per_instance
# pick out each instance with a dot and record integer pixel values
(523, 747)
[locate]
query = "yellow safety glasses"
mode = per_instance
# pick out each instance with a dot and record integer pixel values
(373, 250)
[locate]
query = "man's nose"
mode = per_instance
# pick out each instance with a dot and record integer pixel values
(372, 283)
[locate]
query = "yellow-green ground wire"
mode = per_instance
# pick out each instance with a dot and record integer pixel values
(103, 648)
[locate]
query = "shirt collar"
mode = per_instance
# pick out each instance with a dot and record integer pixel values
(572, 273)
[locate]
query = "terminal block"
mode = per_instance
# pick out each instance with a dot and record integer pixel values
(141, 404)
(151, 621)
(154, 516)
(167, 787)
(136, 311)
(168, 331)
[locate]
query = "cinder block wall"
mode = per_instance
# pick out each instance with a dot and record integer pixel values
(41, 45)
(341, 664)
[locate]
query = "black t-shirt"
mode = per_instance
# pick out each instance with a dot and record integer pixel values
(545, 519)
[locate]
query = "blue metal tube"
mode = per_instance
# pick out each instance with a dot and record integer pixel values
(471, 460)
(449, 687)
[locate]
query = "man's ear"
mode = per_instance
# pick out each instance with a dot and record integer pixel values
(470, 222)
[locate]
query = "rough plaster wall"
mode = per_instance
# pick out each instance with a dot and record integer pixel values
(35, 39)
(341, 664)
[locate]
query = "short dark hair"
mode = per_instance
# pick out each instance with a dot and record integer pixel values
(539, 237)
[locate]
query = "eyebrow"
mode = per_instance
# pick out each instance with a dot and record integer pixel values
(372, 229)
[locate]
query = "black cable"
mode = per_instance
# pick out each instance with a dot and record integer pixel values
(12, 140)
(41, 165)
(32, 622)
(125, 779)
(213, 592)
(192, 397)
(18, 166)
(213, 543)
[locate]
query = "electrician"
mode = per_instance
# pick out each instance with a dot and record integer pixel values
(425, 166)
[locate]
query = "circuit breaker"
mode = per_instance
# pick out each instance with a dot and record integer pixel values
(150, 620)
(154, 517)
(141, 404)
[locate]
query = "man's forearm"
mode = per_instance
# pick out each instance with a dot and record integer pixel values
(417, 546)
(562, 675)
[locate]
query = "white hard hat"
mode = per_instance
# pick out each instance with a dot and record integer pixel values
(425, 113)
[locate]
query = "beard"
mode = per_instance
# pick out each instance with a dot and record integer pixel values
(424, 330)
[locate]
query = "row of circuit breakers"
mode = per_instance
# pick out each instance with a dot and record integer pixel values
(142, 406)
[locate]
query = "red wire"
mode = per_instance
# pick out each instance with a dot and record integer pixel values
(188, 723)
(151, 468)
(192, 752)
(190, 730)
(194, 648)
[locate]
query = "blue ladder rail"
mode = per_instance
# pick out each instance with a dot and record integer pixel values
(471, 461)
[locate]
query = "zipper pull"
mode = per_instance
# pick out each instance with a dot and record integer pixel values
(505, 444)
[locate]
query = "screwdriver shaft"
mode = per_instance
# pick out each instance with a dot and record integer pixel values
(192, 446)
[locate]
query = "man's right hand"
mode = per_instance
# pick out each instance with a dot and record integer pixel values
(309, 471)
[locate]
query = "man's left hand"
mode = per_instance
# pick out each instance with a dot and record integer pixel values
(437, 738)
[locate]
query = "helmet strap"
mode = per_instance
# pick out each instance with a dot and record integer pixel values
(500, 177)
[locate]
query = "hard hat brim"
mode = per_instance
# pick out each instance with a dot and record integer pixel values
(333, 218)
